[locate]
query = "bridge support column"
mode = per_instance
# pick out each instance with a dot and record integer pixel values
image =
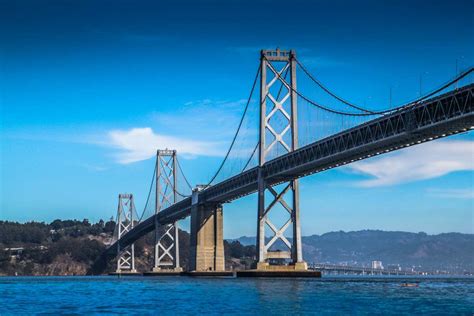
(278, 63)
(166, 237)
(125, 222)
(165, 258)
(206, 241)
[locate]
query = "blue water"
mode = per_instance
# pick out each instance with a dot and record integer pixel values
(187, 295)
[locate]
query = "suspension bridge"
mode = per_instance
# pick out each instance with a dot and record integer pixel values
(270, 160)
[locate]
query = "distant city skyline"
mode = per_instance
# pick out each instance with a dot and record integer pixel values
(90, 90)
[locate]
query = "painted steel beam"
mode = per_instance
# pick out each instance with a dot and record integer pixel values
(442, 116)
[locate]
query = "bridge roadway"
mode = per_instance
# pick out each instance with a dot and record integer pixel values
(447, 114)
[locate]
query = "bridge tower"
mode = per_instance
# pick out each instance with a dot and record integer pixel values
(277, 63)
(167, 237)
(125, 222)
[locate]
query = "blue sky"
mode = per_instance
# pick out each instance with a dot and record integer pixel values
(89, 89)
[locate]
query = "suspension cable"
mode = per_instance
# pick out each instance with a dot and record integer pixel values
(329, 91)
(171, 184)
(322, 107)
(184, 176)
(457, 78)
(251, 156)
(426, 96)
(149, 193)
(372, 112)
(238, 128)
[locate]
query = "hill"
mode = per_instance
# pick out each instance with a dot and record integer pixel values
(69, 247)
(453, 252)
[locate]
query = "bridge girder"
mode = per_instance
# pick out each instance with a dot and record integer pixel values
(442, 116)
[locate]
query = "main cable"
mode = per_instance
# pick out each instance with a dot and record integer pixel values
(426, 96)
(457, 78)
(372, 112)
(251, 156)
(149, 193)
(171, 184)
(238, 128)
(184, 176)
(329, 91)
(322, 107)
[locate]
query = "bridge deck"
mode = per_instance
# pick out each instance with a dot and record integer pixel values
(445, 115)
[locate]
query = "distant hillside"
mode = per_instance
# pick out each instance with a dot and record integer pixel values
(70, 247)
(451, 251)
(66, 247)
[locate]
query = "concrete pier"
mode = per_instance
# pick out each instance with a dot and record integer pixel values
(206, 243)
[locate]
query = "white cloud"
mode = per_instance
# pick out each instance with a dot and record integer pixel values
(138, 144)
(452, 193)
(199, 128)
(425, 161)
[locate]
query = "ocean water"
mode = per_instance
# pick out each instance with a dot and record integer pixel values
(244, 296)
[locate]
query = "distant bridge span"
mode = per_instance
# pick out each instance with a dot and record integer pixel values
(445, 115)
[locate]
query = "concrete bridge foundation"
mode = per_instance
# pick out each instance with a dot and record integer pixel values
(207, 242)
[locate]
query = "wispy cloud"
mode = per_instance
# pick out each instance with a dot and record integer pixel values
(206, 119)
(138, 144)
(467, 193)
(198, 128)
(420, 162)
